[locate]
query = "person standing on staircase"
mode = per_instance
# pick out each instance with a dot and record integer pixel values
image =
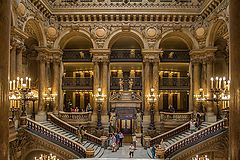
(121, 136)
(131, 150)
(79, 134)
(153, 151)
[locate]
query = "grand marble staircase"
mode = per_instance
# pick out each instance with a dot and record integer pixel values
(178, 141)
(86, 143)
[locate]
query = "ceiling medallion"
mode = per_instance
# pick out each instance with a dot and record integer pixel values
(200, 32)
(52, 32)
(21, 9)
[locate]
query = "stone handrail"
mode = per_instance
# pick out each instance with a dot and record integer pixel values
(73, 129)
(166, 135)
(49, 134)
(164, 116)
(198, 136)
(75, 117)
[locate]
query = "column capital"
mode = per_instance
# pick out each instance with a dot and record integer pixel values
(100, 58)
(151, 55)
(100, 52)
(202, 53)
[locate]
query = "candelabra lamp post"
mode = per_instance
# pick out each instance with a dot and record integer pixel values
(201, 98)
(99, 100)
(21, 90)
(46, 157)
(49, 97)
(14, 104)
(33, 97)
(220, 90)
(151, 100)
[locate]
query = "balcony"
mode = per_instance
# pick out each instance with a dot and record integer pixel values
(175, 56)
(76, 56)
(137, 83)
(176, 83)
(126, 55)
(77, 83)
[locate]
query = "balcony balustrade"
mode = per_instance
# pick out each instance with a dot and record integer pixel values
(175, 56)
(126, 55)
(77, 56)
(85, 83)
(174, 83)
(137, 83)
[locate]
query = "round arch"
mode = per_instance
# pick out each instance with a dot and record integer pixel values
(67, 35)
(212, 33)
(119, 33)
(37, 29)
(185, 36)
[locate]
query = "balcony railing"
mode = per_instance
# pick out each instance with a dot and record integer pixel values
(126, 55)
(174, 83)
(85, 83)
(175, 56)
(76, 56)
(137, 83)
(75, 118)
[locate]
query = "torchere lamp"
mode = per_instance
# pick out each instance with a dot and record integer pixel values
(151, 99)
(99, 100)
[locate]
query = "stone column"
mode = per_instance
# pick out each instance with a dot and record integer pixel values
(105, 85)
(19, 60)
(82, 105)
(41, 116)
(5, 17)
(61, 94)
(146, 86)
(13, 61)
(234, 127)
(55, 83)
(204, 76)
(156, 86)
(196, 81)
(95, 83)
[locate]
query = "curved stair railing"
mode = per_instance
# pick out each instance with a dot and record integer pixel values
(61, 140)
(73, 129)
(195, 138)
(171, 133)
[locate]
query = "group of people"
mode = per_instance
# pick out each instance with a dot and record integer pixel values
(195, 124)
(115, 141)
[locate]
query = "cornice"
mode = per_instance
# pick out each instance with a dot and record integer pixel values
(114, 8)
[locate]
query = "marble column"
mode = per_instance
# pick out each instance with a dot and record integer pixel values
(105, 86)
(61, 94)
(156, 86)
(196, 82)
(146, 86)
(234, 127)
(55, 83)
(19, 60)
(13, 62)
(82, 105)
(95, 83)
(204, 76)
(41, 116)
(5, 17)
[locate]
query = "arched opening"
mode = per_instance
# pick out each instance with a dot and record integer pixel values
(221, 59)
(125, 77)
(174, 76)
(78, 77)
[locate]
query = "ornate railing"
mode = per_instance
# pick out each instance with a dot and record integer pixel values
(126, 55)
(198, 136)
(175, 56)
(181, 117)
(75, 117)
(73, 129)
(85, 83)
(76, 55)
(61, 140)
(174, 83)
(137, 83)
(171, 133)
